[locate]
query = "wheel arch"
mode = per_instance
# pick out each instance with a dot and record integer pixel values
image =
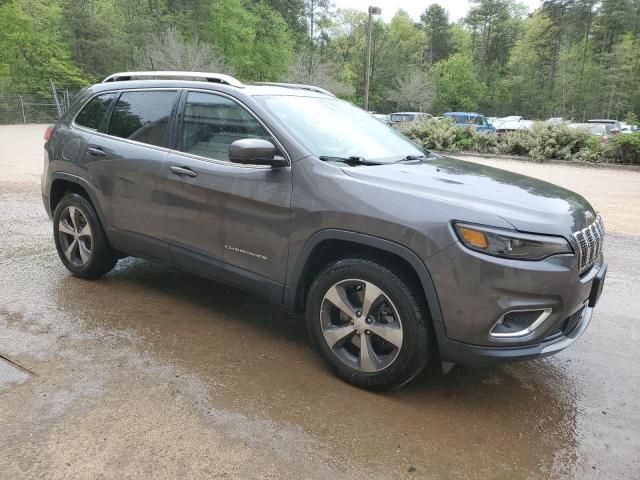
(332, 244)
(63, 183)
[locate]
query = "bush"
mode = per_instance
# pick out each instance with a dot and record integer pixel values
(485, 142)
(542, 142)
(438, 135)
(519, 142)
(625, 148)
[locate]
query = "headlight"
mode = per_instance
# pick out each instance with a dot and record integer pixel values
(510, 244)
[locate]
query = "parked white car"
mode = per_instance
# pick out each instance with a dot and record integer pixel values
(511, 124)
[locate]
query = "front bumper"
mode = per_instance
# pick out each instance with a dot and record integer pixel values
(475, 290)
(459, 352)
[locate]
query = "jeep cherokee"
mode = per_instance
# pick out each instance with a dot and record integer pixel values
(395, 254)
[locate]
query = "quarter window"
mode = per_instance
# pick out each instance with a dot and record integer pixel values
(93, 112)
(211, 123)
(143, 117)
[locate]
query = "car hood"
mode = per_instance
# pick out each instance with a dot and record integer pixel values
(530, 205)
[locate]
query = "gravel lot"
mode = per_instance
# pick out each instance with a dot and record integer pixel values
(155, 373)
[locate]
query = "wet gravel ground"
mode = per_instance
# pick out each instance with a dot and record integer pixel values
(155, 373)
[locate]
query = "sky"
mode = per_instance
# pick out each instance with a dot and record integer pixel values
(457, 8)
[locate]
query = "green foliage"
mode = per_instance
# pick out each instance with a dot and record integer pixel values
(440, 135)
(458, 88)
(542, 142)
(626, 148)
(32, 50)
(576, 59)
(435, 21)
(253, 37)
(631, 119)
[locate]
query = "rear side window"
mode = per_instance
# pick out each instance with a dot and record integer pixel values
(93, 112)
(143, 117)
(211, 123)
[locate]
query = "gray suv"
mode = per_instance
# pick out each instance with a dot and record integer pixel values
(397, 255)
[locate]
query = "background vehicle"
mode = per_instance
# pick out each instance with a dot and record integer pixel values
(625, 128)
(511, 124)
(615, 126)
(474, 120)
(401, 117)
(557, 121)
(394, 254)
(599, 130)
(386, 119)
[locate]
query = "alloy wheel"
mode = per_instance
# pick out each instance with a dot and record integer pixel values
(74, 233)
(361, 325)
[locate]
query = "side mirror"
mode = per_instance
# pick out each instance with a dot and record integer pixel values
(255, 151)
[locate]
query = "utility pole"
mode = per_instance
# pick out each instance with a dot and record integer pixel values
(372, 11)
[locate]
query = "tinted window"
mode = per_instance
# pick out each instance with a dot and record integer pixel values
(211, 123)
(92, 114)
(143, 117)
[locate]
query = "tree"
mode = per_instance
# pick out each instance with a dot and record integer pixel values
(324, 75)
(293, 13)
(404, 36)
(435, 22)
(526, 83)
(32, 50)
(457, 87)
(272, 45)
(169, 51)
(89, 28)
(414, 91)
(254, 41)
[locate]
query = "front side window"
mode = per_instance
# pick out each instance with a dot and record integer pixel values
(212, 122)
(93, 112)
(143, 117)
(329, 127)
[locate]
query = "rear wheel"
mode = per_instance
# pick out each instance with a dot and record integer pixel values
(80, 241)
(368, 324)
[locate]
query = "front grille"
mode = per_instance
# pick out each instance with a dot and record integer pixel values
(590, 242)
(567, 325)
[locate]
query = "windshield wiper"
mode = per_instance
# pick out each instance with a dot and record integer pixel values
(409, 158)
(353, 160)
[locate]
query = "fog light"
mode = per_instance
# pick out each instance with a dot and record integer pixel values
(519, 323)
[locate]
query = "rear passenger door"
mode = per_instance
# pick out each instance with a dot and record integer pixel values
(226, 219)
(125, 162)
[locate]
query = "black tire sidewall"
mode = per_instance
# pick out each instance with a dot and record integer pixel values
(102, 258)
(415, 351)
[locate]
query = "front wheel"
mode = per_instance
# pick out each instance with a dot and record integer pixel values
(368, 324)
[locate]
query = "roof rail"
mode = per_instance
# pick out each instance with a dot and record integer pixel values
(209, 77)
(299, 86)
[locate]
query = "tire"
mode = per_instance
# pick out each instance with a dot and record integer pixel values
(81, 243)
(387, 363)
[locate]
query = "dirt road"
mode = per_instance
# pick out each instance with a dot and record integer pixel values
(155, 373)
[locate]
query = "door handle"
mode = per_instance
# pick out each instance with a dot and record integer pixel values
(183, 171)
(95, 152)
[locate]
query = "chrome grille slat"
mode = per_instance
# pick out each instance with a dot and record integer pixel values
(590, 242)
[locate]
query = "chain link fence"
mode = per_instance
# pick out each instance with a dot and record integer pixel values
(34, 107)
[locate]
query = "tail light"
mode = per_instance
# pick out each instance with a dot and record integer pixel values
(48, 132)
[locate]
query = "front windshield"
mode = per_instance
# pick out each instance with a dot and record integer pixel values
(329, 127)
